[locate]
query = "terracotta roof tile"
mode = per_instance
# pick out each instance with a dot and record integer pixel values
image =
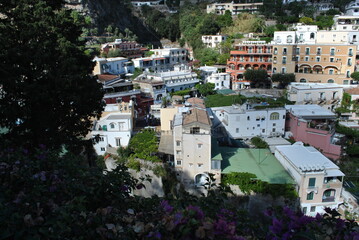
(196, 115)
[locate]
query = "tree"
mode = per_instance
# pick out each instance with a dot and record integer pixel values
(114, 53)
(47, 94)
(144, 145)
(283, 79)
(205, 89)
(306, 20)
(355, 76)
(258, 78)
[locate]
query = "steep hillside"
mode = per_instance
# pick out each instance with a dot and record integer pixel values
(116, 13)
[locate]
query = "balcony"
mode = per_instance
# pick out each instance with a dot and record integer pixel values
(328, 199)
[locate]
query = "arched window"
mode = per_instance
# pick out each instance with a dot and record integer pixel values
(112, 125)
(274, 116)
(312, 35)
(330, 81)
(274, 70)
(302, 80)
(289, 39)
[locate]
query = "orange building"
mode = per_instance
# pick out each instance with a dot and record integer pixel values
(248, 55)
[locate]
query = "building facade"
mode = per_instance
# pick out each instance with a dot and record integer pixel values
(213, 41)
(235, 8)
(116, 66)
(220, 80)
(327, 95)
(319, 180)
(114, 129)
(193, 148)
(241, 122)
(248, 55)
(315, 126)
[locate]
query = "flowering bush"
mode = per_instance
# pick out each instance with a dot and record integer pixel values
(45, 195)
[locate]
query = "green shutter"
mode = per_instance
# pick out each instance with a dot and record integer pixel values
(311, 182)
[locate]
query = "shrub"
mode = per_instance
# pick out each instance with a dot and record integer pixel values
(134, 164)
(259, 143)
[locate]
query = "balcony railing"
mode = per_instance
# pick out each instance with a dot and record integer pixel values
(328, 199)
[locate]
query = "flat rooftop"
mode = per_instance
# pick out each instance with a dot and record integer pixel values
(307, 158)
(315, 86)
(260, 162)
(310, 111)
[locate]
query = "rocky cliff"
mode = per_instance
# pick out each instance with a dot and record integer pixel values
(117, 13)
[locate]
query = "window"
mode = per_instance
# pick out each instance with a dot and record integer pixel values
(311, 182)
(274, 70)
(306, 59)
(297, 51)
(312, 209)
(275, 51)
(273, 130)
(101, 139)
(302, 80)
(248, 118)
(305, 210)
(274, 116)
(190, 164)
(346, 82)
(348, 74)
(332, 51)
(199, 145)
(178, 143)
(284, 60)
(310, 196)
(319, 51)
(258, 125)
(200, 165)
(330, 81)
(349, 61)
(178, 152)
(118, 142)
(237, 130)
(274, 124)
(312, 35)
(307, 51)
(317, 59)
(178, 162)
(289, 39)
(284, 70)
(102, 149)
(331, 71)
(331, 59)
(263, 130)
(350, 52)
(194, 130)
(284, 51)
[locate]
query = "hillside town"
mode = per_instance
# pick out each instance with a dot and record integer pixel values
(160, 89)
(174, 120)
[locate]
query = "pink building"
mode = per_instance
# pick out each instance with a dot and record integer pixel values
(314, 125)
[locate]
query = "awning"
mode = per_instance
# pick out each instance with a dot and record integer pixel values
(334, 173)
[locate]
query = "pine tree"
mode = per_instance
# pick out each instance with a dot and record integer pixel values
(47, 95)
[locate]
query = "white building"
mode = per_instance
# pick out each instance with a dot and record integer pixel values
(241, 122)
(116, 66)
(193, 148)
(319, 180)
(114, 129)
(177, 80)
(234, 8)
(346, 22)
(147, 3)
(303, 34)
(327, 95)
(352, 9)
(220, 80)
(213, 41)
(162, 60)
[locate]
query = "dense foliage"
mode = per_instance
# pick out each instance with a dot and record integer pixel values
(259, 143)
(144, 145)
(283, 79)
(205, 89)
(47, 94)
(219, 100)
(258, 78)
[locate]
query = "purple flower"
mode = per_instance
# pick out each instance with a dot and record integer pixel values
(196, 210)
(156, 235)
(124, 188)
(178, 218)
(277, 226)
(166, 207)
